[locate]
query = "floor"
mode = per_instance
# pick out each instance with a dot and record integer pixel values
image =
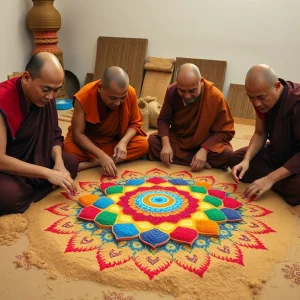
(19, 283)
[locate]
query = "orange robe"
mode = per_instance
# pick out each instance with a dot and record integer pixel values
(105, 127)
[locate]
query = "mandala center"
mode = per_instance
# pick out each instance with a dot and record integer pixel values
(158, 201)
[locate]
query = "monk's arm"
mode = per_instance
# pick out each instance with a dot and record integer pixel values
(56, 153)
(14, 166)
(129, 134)
(293, 164)
(258, 139)
(78, 127)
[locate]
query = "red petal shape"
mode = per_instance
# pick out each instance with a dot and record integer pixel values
(184, 235)
(231, 203)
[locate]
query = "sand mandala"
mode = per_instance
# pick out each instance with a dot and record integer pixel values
(158, 219)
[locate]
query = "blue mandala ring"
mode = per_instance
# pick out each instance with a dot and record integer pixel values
(158, 201)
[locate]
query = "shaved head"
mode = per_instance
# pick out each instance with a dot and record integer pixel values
(189, 82)
(261, 74)
(42, 79)
(263, 87)
(43, 60)
(188, 70)
(117, 75)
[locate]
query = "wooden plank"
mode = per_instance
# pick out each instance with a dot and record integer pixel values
(127, 53)
(239, 103)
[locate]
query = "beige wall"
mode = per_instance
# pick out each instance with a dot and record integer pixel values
(16, 42)
(242, 32)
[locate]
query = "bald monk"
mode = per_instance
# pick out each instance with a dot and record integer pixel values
(106, 124)
(31, 157)
(195, 125)
(276, 164)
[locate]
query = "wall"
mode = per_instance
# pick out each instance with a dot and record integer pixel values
(241, 32)
(16, 41)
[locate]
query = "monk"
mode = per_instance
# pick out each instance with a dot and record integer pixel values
(276, 164)
(31, 159)
(106, 123)
(195, 125)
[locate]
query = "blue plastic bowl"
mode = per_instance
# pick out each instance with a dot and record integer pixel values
(64, 104)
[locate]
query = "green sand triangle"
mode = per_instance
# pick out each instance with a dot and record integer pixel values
(215, 214)
(213, 200)
(198, 189)
(116, 189)
(106, 218)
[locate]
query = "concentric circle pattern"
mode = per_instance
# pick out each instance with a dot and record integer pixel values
(156, 219)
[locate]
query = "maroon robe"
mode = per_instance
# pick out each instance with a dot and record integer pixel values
(206, 123)
(283, 150)
(31, 136)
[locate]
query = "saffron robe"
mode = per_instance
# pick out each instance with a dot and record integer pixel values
(106, 127)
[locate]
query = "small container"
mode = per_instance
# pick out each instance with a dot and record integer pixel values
(64, 104)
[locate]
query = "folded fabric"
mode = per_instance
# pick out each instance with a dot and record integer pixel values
(160, 64)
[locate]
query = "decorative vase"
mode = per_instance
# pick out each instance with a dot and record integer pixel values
(45, 21)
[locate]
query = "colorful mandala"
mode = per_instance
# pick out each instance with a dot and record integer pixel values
(156, 219)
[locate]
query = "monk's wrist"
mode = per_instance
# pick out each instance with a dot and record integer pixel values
(165, 141)
(246, 159)
(45, 173)
(100, 154)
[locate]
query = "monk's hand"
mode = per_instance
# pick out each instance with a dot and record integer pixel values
(108, 165)
(62, 179)
(61, 168)
(239, 170)
(120, 152)
(166, 155)
(199, 161)
(258, 187)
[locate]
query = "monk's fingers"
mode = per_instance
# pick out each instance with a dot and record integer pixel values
(70, 184)
(207, 166)
(65, 187)
(193, 161)
(111, 170)
(165, 158)
(198, 165)
(124, 155)
(242, 173)
(171, 157)
(234, 174)
(257, 195)
(115, 169)
(117, 159)
(251, 190)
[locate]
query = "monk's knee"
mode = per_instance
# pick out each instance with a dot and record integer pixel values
(289, 189)
(71, 163)
(13, 198)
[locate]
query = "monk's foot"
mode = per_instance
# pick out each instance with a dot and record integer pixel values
(88, 165)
